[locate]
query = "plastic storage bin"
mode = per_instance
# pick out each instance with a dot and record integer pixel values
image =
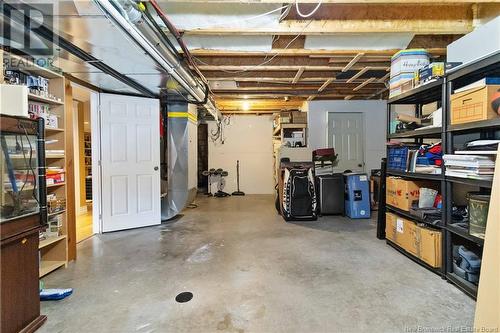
(357, 196)
(397, 157)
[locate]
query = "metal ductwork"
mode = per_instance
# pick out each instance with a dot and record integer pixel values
(179, 153)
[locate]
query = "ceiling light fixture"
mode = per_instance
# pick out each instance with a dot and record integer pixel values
(245, 106)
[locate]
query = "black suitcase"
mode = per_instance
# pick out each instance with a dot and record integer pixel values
(299, 195)
(330, 190)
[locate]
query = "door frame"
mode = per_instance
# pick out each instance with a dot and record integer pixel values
(363, 139)
(95, 135)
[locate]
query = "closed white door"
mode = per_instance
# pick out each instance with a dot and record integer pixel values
(130, 148)
(345, 134)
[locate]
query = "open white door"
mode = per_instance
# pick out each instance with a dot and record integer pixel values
(130, 159)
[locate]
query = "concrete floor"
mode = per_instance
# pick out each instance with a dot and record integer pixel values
(250, 271)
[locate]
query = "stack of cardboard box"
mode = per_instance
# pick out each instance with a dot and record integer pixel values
(420, 241)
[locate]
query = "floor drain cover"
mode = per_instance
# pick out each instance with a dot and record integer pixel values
(184, 297)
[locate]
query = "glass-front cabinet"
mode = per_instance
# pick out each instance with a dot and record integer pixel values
(20, 192)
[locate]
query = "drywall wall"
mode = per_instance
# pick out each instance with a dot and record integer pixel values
(374, 124)
(248, 139)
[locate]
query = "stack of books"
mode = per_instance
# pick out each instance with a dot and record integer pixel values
(470, 166)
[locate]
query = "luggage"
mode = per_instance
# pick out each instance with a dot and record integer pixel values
(330, 191)
(298, 195)
(466, 264)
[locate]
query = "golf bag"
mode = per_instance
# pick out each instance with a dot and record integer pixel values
(299, 195)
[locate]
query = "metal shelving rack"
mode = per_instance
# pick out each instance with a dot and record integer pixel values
(440, 91)
(429, 93)
(486, 129)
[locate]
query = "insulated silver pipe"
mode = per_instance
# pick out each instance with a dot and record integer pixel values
(165, 59)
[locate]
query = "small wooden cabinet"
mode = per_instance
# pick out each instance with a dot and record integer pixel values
(19, 275)
(22, 215)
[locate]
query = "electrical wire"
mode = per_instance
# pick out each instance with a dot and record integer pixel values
(308, 14)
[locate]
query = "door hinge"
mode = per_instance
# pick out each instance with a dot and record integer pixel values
(100, 217)
(99, 162)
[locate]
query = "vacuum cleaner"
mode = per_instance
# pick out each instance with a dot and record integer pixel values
(238, 192)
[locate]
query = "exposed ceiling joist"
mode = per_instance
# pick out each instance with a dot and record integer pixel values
(298, 75)
(384, 78)
(306, 52)
(348, 97)
(370, 80)
(352, 62)
(324, 85)
(243, 68)
(358, 74)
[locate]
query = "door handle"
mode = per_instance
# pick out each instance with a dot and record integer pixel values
(156, 168)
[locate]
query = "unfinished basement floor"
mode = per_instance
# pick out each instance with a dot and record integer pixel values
(249, 271)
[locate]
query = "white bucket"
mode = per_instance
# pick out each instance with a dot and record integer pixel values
(427, 198)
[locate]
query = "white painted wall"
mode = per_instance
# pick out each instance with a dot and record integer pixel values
(248, 139)
(375, 126)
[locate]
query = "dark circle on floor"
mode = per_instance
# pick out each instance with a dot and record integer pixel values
(184, 297)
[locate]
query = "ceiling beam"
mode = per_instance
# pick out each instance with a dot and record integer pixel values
(310, 98)
(358, 74)
(384, 78)
(348, 97)
(244, 68)
(352, 62)
(306, 52)
(298, 75)
(324, 85)
(370, 80)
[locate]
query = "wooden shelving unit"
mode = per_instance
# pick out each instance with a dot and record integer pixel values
(53, 249)
(441, 91)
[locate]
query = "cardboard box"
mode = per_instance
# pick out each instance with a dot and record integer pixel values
(429, 246)
(474, 104)
(401, 193)
(422, 242)
(299, 117)
(397, 230)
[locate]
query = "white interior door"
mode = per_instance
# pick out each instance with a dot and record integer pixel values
(130, 159)
(345, 134)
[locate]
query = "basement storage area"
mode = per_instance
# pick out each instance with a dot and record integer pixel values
(250, 166)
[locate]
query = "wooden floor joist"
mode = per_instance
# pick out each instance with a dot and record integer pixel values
(352, 62)
(370, 80)
(298, 75)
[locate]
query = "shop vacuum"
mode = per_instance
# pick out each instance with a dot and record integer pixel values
(238, 192)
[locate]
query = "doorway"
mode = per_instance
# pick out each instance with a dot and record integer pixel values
(346, 135)
(82, 129)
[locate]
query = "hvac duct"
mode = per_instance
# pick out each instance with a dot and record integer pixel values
(180, 151)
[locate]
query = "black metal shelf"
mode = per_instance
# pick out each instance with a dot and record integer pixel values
(470, 181)
(411, 217)
(427, 93)
(464, 234)
(413, 175)
(426, 133)
(422, 263)
(440, 91)
(467, 287)
(475, 126)
(463, 75)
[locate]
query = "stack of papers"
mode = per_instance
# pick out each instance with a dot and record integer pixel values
(470, 166)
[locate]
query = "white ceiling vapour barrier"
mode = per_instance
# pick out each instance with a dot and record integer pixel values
(374, 41)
